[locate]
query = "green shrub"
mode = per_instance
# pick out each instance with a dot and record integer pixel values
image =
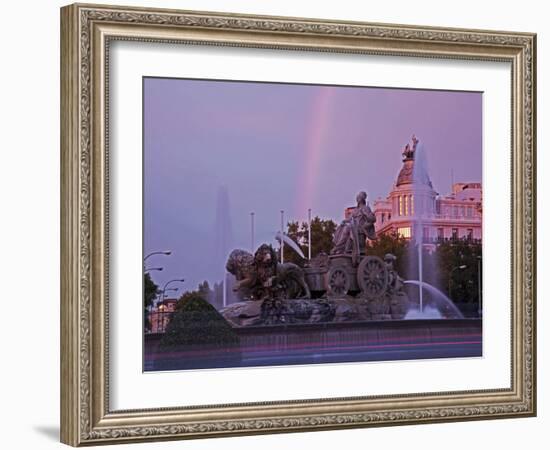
(197, 323)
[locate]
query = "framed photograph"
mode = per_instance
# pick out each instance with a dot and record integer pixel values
(275, 224)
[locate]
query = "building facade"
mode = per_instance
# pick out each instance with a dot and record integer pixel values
(413, 206)
(160, 316)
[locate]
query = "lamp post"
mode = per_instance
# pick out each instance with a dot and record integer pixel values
(164, 252)
(181, 280)
(161, 307)
(462, 267)
(169, 289)
(252, 232)
(159, 269)
(309, 234)
(282, 234)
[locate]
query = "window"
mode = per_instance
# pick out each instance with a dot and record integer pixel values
(406, 205)
(404, 232)
(412, 205)
(454, 233)
(470, 234)
(382, 217)
(400, 205)
(426, 233)
(440, 234)
(455, 211)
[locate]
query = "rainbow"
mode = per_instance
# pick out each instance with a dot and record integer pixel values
(315, 138)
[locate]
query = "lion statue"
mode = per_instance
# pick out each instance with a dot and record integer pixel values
(261, 276)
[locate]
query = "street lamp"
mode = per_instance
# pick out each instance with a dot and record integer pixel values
(165, 252)
(172, 289)
(282, 234)
(162, 307)
(251, 232)
(309, 234)
(150, 269)
(462, 267)
(169, 289)
(180, 280)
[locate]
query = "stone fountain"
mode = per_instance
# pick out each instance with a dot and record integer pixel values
(346, 285)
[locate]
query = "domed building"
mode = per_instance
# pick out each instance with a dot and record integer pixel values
(455, 216)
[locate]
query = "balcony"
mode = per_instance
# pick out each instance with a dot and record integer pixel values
(451, 240)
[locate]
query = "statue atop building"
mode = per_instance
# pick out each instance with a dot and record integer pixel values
(408, 151)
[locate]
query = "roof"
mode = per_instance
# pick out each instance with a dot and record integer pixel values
(406, 174)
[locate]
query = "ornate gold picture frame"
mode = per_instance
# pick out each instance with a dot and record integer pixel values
(87, 32)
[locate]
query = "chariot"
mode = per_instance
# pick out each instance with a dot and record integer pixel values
(340, 276)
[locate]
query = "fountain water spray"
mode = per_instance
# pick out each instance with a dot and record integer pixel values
(441, 305)
(420, 275)
(284, 239)
(420, 178)
(223, 236)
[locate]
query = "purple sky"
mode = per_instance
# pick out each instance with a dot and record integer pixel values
(284, 146)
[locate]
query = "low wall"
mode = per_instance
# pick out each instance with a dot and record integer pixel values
(326, 343)
(357, 334)
(296, 337)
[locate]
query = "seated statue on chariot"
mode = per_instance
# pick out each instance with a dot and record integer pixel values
(351, 235)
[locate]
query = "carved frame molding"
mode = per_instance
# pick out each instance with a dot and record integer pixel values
(86, 31)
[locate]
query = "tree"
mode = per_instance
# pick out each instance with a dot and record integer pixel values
(150, 291)
(441, 265)
(204, 290)
(322, 232)
(461, 284)
(188, 295)
(394, 244)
